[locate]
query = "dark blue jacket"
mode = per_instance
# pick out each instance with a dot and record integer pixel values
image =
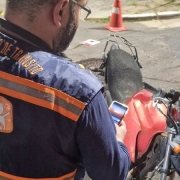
(53, 117)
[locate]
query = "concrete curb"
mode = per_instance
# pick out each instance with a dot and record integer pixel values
(167, 14)
(144, 16)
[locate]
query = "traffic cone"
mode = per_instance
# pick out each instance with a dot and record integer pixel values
(116, 21)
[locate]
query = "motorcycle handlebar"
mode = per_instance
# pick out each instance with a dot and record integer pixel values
(156, 92)
(171, 97)
(172, 94)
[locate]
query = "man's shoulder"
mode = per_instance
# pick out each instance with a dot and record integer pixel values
(67, 76)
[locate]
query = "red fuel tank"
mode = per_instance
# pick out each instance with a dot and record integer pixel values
(143, 122)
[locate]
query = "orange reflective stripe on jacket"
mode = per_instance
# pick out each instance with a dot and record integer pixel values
(5, 176)
(41, 95)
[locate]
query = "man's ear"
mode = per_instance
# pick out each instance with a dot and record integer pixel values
(59, 9)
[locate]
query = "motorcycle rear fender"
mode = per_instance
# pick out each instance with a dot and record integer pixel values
(143, 122)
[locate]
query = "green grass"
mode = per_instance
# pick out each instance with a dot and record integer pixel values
(99, 20)
(147, 5)
(133, 3)
(169, 1)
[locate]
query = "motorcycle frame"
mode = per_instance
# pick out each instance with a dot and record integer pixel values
(170, 132)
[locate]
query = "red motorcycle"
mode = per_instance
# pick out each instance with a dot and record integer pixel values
(148, 126)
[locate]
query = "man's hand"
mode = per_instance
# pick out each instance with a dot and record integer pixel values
(121, 131)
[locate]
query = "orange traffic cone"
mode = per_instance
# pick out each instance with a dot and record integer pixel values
(116, 21)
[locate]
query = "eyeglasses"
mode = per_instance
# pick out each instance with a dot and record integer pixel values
(85, 8)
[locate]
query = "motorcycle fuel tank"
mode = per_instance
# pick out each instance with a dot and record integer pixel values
(143, 122)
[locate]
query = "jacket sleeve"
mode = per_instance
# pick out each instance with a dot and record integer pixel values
(102, 155)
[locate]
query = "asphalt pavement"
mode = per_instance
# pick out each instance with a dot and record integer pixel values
(156, 37)
(157, 43)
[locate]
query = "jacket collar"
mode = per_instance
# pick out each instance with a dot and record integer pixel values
(25, 35)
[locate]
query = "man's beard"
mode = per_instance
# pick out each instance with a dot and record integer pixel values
(64, 38)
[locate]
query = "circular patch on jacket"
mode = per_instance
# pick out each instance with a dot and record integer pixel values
(6, 116)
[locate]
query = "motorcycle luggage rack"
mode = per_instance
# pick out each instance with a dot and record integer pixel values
(126, 42)
(104, 58)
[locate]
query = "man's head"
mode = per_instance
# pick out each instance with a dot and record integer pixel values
(54, 21)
